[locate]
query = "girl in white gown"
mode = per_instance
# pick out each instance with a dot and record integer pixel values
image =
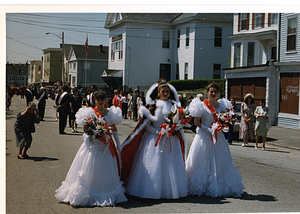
(155, 171)
(209, 164)
(93, 178)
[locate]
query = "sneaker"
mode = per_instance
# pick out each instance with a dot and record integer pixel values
(243, 145)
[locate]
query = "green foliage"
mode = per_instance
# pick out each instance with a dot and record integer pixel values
(196, 84)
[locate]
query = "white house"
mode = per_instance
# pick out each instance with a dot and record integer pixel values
(253, 51)
(85, 70)
(144, 47)
(289, 68)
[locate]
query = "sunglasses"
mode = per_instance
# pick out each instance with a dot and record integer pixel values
(32, 108)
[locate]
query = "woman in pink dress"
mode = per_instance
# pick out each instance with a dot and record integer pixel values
(247, 127)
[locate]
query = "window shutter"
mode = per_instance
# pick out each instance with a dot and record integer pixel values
(248, 17)
(239, 23)
(253, 20)
(263, 20)
(269, 19)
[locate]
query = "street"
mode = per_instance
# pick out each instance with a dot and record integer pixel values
(271, 177)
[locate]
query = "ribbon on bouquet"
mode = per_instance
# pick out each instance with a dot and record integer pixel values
(166, 129)
(215, 127)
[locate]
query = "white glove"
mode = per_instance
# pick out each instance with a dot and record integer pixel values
(116, 136)
(206, 129)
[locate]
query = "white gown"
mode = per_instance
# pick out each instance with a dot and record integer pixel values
(158, 172)
(93, 178)
(209, 166)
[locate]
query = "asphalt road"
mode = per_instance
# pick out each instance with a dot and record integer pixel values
(271, 178)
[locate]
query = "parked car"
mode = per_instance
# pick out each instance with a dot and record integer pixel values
(237, 123)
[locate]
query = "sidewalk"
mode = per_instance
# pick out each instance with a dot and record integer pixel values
(284, 137)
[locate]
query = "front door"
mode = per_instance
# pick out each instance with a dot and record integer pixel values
(165, 71)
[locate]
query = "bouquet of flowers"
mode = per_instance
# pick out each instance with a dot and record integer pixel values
(226, 118)
(97, 129)
(177, 119)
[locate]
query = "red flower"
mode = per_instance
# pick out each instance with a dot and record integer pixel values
(89, 120)
(188, 120)
(183, 121)
(180, 111)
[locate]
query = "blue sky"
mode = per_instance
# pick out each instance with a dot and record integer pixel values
(26, 32)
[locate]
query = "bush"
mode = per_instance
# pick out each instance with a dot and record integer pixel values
(196, 84)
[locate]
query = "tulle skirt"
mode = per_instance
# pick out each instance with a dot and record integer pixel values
(210, 168)
(93, 178)
(158, 172)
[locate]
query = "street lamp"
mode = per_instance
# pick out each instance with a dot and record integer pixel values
(62, 56)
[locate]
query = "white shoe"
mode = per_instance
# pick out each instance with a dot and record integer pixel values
(243, 145)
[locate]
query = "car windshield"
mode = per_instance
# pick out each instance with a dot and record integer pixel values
(238, 107)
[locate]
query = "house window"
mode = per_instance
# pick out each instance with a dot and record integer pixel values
(218, 37)
(217, 71)
(120, 49)
(73, 80)
(274, 18)
(250, 56)
(112, 52)
(244, 21)
(74, 65)
(237, 54)
(187, 38)
(273, 53)
(166, 39)
(291, 34)
(186, 71)
(177, 71)
(70, 65)
(178, 38)
(258, 19)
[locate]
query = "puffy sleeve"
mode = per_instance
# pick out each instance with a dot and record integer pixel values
(115, 115)
(196, 107)
(225, 104)
(82, 114)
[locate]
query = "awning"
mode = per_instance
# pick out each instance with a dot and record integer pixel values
(112, 73)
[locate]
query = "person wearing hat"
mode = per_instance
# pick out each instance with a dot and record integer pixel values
(41, 97)
(247, 128)
(153, 165)
(24, 126)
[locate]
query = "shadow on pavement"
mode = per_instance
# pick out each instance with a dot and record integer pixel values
(41, 159)
(134, 202)
(250, 197)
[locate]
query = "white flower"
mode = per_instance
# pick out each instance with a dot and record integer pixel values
(174, 109)
(175, 119)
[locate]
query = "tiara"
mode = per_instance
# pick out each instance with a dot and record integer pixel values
(163, 82)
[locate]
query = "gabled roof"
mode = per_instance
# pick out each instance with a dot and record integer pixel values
(141, 17)
(170, 18)
(94, 52)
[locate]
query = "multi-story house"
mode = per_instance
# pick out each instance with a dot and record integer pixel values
(253, 51)
(52, 65)
(86, 69)
(36, 72)
(144, 47)
(16, 74)
(288, 101)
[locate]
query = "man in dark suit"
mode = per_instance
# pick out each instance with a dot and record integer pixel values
(28, 95)
(63, 106)
(91, 102)
(134, 105)
(41, 97)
